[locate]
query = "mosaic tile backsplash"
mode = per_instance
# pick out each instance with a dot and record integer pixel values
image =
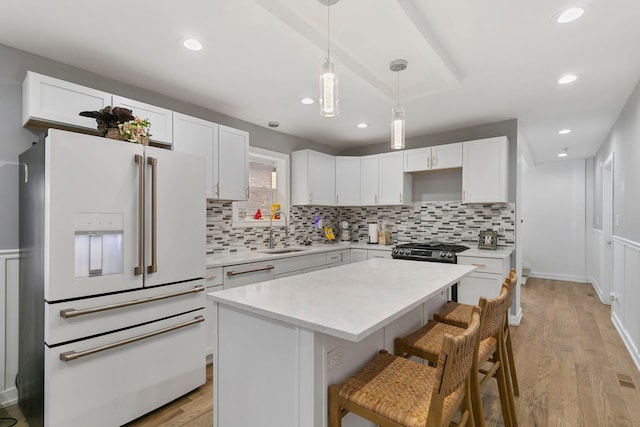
(451, 222)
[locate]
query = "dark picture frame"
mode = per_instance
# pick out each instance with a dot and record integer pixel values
(488, 239)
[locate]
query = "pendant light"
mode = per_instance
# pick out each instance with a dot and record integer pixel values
(397, 113)
(329, 100)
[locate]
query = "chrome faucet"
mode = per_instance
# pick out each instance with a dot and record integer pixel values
(286, 227)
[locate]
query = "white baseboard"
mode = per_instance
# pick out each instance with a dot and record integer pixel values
(8, 397)
(598, 291)
(556, 276)
(517, 318)
(628, 342)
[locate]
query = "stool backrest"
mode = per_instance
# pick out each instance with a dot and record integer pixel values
(453, 370)
(493, 312)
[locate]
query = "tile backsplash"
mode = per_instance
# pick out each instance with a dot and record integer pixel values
(452, 222)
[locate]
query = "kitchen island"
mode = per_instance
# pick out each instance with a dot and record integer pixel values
(279, 344)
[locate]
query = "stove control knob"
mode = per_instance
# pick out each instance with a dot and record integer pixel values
(407, 251)
(450, 255)
(443, 254)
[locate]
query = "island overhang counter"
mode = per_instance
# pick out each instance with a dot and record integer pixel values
(279, 344)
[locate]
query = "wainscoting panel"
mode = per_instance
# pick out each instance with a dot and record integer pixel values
(626, 294)
(8, 326)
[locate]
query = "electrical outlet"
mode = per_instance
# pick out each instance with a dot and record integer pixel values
(334, 358)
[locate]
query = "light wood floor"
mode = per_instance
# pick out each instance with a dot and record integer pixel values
(568, 355)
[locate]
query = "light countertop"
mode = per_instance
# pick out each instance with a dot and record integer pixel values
(246, 257)
(486, 253)
(351, 301)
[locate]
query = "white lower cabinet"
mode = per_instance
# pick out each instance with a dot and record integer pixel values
(286, 267)
(358, 255)
(246, 274)
(378, 253)
(336, 258)
(485, 281)
(213, 283)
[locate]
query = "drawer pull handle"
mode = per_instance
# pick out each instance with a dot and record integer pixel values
(236, 273)
(478, 265)
(68, 356)
(210, 278)
(72, 312)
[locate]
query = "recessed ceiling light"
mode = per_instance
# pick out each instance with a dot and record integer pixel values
(192, 44)
(307, 101)
(564, 131)
(273, 124)
(570, 15)
(362, 125)
(565, 153)
(569, 78)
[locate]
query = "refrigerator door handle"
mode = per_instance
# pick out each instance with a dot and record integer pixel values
(139, 269)
(153, 268)
(72, 312)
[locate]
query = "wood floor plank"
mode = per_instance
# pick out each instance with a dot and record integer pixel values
(568, 356)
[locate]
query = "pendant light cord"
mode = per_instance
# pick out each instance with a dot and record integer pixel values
(398, 89)
(328, 31)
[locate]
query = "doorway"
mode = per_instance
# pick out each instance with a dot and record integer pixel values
(607, 229)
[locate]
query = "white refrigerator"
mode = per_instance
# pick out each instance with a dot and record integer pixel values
(112, 239)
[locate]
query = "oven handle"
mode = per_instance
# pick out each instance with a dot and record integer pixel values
(68, 356)
(72, 312)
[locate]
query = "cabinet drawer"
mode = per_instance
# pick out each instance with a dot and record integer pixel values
(338, 257)
(485, 265)
(372, 253)
(246, 274)
(287, 265)
(213, 277)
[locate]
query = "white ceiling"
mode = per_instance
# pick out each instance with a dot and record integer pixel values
(470, 62)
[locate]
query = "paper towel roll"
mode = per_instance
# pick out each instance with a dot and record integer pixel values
(373, 233)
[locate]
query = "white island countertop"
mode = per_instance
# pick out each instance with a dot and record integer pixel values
(350, 301)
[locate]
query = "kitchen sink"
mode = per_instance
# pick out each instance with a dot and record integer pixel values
(282, 250)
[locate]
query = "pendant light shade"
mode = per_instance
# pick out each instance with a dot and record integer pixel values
(397, 113)
(328, 90)
(329, 99)
(397, 128)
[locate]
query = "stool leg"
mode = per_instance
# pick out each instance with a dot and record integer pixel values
(512, 365)
(335, 418)
(476, 397)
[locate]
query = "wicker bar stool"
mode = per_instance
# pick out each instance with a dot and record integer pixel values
(394, 391)
(426, 342)
(458, 314)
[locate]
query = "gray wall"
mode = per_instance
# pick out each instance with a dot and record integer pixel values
(508, 128)
(624, 141)
(14, 139)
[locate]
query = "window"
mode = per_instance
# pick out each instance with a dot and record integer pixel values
(268, 185)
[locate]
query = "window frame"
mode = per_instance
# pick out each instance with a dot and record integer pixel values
(282, 177)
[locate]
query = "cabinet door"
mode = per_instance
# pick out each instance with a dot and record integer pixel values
(419, 159)
(199, 137)
(246, 274)
(484, 170)
(358, 255)
(322, 178)
(50, 100)
(446, 156)
(161, 119)
(369, 180)
(347, 181)
(391, 179)
(476, 285)
(232, 164)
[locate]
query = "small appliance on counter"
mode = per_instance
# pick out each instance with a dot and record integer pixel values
(345, 235)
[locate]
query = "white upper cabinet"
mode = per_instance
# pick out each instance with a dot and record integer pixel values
(347, 181)
(369, 180)
(383, 181)
(231, 170)
(485, 171)
(161, 119)
(225, 151)
(53, 101)
(394, 184)
(313, 178)
(439, 157)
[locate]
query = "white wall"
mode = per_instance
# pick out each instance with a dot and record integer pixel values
(553, 213)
